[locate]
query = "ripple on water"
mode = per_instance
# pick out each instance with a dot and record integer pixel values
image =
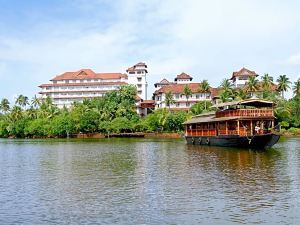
(142, 181)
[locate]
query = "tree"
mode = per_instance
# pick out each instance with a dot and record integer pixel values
(296, 89)
(240, 94)
(35, 102)
(22, 101)
(283, 84)
(187, 92)
(204, 87)
(227, 90)
(169, 99)
(267, 82)
(252, 85)
(4, 105)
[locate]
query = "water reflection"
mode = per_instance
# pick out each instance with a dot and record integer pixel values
(140, 181)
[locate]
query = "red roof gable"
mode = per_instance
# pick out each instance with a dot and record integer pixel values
(243, 72)
(88, 74)
(183, 76)
(133, 68)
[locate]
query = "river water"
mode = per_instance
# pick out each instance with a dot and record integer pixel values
(144, 181)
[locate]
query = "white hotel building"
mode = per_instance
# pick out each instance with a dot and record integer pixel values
(176, 88)
(69, 87)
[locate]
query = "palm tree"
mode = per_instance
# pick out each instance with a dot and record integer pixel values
(204, 87)
(252, 85)
(4, 105)
(187, 92)
(283, 84)
(240, 94)
(35, 102)
(227, 90)
(169, 99)
(16, 113)
(22, 100)
(296, 89)
(267, 82)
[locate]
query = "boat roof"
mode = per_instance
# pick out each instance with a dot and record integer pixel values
(248, 102)
(211, 119)
(207, 119)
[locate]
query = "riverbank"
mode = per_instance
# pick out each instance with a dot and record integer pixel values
(142, 135)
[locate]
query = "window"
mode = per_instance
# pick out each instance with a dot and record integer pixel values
(139, 92)
(131, 72)
(177, 96)
(139, 85)
(188, 104)
(197, 96)
(67, 81)
(177, 104)
(139, 79)
(138, 72)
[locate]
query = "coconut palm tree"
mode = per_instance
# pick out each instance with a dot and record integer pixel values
(169, 99)
(204, 87)
(252, 85)
(267, 82)
(22, 101)
(227, 90)
(4, 105)
(188, 93)
(16, 113)
(283, 84)
(240, 94)
(296, 89)
(35, 102)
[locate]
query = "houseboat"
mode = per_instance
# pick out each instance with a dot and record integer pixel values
(247, 123)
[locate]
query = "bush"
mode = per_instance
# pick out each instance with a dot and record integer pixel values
(294, 130)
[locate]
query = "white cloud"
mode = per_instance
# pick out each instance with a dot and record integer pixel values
(172, 36)
(293, 60)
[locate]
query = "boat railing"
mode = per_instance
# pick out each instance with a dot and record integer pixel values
(246, 113)
(204, 132)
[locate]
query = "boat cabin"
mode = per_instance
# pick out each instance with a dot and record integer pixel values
(243, 118)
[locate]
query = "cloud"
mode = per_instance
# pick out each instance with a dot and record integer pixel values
(293, 60)
(172, 36)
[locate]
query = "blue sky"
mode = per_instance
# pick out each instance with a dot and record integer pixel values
(207, 39)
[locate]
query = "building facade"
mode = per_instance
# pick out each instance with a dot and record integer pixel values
(181, 102)
(240, 78)
(83, 84)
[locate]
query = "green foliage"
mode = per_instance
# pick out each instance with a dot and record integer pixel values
(38, 127)
(201, 107)
(294, 130)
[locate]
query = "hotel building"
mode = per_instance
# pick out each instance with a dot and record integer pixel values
(69, 87)
(176, 88)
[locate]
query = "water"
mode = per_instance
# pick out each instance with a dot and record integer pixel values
(143, 181)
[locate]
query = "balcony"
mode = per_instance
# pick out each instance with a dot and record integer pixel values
(246, 113)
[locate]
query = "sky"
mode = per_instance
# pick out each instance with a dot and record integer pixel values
(206, 39)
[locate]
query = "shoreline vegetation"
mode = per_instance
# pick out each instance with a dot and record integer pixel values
(115, 112)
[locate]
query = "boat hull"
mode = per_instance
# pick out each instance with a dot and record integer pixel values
(257, 141)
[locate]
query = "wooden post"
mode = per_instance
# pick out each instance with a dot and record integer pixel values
(226, 128)
(238, 127)
(251, 128)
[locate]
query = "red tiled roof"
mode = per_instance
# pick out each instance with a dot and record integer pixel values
(178, 88)
(183, 76)
(149, 101)
(148, 104)
(214, 92)
(83, 84)
(88, 74)
(243, 72)
(133, 68)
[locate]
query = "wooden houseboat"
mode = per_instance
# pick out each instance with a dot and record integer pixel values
(247, 123)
